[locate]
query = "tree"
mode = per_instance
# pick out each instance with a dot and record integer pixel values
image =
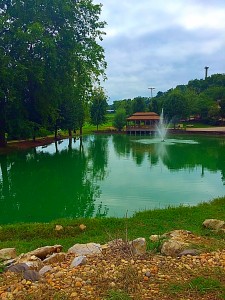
(176, 107)
(119, 119)
(139, 104)
(98, 107)
(47, 46)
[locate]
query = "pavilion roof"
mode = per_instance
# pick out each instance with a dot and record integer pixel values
(144, 116)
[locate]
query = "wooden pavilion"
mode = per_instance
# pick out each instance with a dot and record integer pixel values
(142, 123)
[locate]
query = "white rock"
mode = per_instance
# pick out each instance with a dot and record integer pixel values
(7, 253)
(138, 246)
(173, 247)
(43, 252)
(214, 224)
(80, 260)
(55, 258)
(86, 249)
(44, 270)
(58, 227)
(155, 237)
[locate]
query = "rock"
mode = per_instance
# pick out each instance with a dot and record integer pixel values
(155, 237)
(138, 246)
(18, 268)
(9, 262)
(214, 224)
(80, 260)
(85, 249)
(32, 261)
(148, 274)
(31, 275)
(44, 270)
(177, 234)
(7, 253)
(82, 227)
(192, 252)
(55, 258)
(58, 227)
(43, 252)
(173, 247)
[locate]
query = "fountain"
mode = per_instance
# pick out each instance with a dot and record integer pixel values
(162, 127)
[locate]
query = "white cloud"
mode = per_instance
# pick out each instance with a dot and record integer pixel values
(161, 43)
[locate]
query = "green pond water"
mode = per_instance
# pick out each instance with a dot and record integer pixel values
(109, 176)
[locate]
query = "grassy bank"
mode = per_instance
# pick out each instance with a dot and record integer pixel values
(26, 237)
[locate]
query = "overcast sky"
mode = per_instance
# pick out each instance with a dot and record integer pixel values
(161, 44)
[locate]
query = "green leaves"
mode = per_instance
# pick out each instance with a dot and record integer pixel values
(49, 55)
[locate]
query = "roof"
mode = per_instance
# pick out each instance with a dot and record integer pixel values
(149, 113)
(144, 116)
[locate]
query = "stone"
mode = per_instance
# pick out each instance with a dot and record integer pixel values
(43, 252)
(82, 227)
(85, 249)
(173, 247)
(7, 253)
(214, 224)
(58, 227)
(148, 274)
(31, 275)
(55, 258)
(192, 252)
(178, 234)
(44, 270)
(80, 260)
(138, 246)
(32, 261)
(18, 268)
(155, 237)
(9, 262)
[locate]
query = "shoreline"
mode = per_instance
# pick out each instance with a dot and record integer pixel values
(17, 145)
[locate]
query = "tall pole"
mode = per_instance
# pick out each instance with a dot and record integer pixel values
(206, 72)
(151, 88)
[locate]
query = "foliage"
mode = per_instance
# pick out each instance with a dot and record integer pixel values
(202, 99)
(176, 107)
(50, 60)
(119, 119)
(98, 107)
(139, 104)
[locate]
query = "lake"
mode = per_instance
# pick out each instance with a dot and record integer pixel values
(111, 175)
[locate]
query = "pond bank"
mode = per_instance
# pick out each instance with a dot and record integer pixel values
(151, 276)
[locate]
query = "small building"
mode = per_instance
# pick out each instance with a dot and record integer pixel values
(142, 123)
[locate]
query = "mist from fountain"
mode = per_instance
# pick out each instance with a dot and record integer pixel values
(162, 127)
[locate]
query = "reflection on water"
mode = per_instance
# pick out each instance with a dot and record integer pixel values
(108, 175)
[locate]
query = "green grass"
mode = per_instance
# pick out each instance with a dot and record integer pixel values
(199, 285)
(117, 295)
(28, 236)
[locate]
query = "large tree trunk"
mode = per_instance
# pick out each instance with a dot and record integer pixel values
(81, 130)
(3, 141)
(70, 132)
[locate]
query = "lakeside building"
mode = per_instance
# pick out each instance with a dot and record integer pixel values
(142, 123)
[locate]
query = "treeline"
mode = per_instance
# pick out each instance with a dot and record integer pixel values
(202, 99)
(50, 65)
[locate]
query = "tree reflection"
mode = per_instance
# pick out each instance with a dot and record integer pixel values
(47, 183)
(49, 186)
(98, 153)
(122, 144)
